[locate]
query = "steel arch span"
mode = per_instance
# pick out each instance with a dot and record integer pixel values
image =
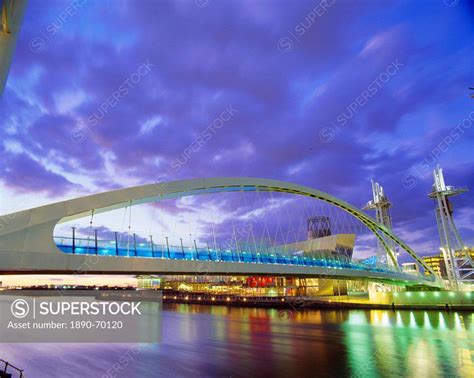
(27, 244)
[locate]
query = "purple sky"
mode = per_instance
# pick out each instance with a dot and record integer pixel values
(326, 94)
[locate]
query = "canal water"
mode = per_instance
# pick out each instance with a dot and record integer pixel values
(218, 341)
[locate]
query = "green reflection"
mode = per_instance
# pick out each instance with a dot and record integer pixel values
(409, 343)
(360, 343)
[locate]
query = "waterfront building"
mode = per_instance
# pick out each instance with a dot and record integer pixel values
(411, 268)
(437, 263)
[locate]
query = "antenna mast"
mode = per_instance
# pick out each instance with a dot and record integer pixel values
(458, 262)
(381, 205)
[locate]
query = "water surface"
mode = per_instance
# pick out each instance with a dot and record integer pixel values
(202, 341)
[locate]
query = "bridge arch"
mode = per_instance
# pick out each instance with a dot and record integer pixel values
(31, 230)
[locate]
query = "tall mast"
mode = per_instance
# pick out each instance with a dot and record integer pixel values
(381, 205)
(458, 262)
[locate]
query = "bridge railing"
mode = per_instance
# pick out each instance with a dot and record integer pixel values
(8, 367)
(266, 255)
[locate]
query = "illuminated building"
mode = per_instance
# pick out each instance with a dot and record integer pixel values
(411, 268)
(436, 262)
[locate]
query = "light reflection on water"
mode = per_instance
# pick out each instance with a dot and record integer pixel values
(224, 341)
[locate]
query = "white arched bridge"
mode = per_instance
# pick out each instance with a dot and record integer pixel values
(28, 246)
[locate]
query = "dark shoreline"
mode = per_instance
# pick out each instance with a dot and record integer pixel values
(294, 303)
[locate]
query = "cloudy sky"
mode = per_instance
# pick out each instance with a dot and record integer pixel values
(109, 94)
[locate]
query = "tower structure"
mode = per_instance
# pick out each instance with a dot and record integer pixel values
(318, 227)
(381, 205)
(458, 262)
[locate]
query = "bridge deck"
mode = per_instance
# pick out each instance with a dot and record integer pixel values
(276, 260)
(268, 255)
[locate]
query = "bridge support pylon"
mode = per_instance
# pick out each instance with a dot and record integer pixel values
(458, 262)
